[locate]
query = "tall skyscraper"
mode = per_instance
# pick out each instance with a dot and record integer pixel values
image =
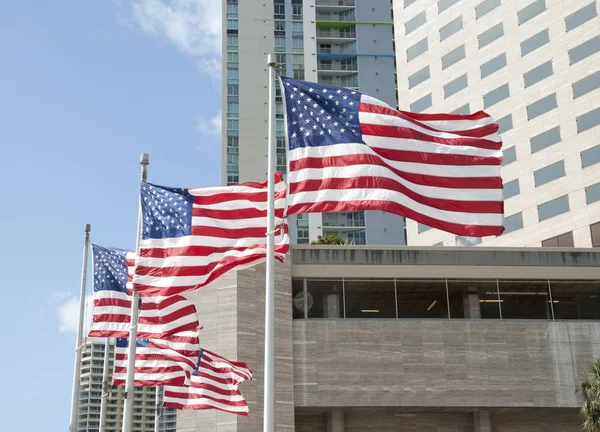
(340, 42)
(92, 362)
(535, 67)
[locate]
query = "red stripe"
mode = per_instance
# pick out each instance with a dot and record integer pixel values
(421, 179)
(179, 406)
(236, 214)
(189, 310)
(176, 381)
(340, 206)
(114, 302)
(219, 197)
(392, 185)
(391, 131)
(227, 264)
(111, 318)
(477, 132)
(436, 158)
(447, 117)
(229, 233)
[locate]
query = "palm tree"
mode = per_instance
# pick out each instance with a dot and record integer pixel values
(589, 391)
(329, 239)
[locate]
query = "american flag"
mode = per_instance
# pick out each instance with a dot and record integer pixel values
(214, 385)
(159, 317)
(349, 152)
(158, 363)
(192, 236)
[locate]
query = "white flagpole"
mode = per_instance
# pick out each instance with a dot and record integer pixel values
(79, 339)
(158, 413)
(269, 391)
(105, 385)
(135, 299)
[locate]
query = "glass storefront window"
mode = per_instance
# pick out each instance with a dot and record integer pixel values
(575, 300)
(369, 298)
(525, 300)
(473, 299)
(421, 299)
(325, 298)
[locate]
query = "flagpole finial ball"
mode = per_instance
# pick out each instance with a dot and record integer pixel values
(87, 228)
(144, 159)
(271, 62)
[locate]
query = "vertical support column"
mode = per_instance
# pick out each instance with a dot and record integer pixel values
(335, 420)
(482, 421)
(471, 303)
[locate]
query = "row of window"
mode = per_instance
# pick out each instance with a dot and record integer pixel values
(455, 299)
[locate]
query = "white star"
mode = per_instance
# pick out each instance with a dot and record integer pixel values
(287, 84)
(335, 123)
(337, 103)
(324, 90)
(300, 115)
(330, 96)
(353, 92)
(345, 97)
(295, 88)
(307, 120)
(294, 122)
(339, 91)
(351, 116)
(294, 135)
(315, 105)
(310, 90)
(322, 112)
(347, 124)
(302, 128)
(344, 110)
(294, 109)
(328, 117)
(321, 132)
(351, 103)
(314, 126)
(329, 131)
(342, 130)
(292, 96)
(307, 134)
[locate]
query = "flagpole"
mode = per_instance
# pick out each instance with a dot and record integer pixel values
(105, 385)
(269, 391)
(135, 300)
(157, 414)
(79, 339)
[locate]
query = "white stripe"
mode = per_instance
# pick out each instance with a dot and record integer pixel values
(458, 125)
(196, 240)
(190, 261)
(241, 189)
(461, 218)
(351, 149)
(348, 172)
(372, 101)
(199, 402)
(427, 147)
(388, 120)
(240, 205)
(259, 222)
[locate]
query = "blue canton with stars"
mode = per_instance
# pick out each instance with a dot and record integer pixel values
(110, 269)
(195, 373)
(166, 212)
(140, 343)
(320, 114)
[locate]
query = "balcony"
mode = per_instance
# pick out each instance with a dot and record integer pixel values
(335, 5)
(333, 35)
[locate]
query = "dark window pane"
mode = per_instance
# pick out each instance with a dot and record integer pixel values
(584, 50)
(467, 241)
(592, 193)
(421, 104)
(453, 57)
(298, 298)
(511, 189)
(505, 124)
(553, 208)
(531, 11)
(325, 298)
(490, 35)
(496, 95)
(455, 85)
(370, 299)
(586, 85)
(513, 223)
(575, 300)
(493, 65)
(538, 74)
(525, 300)
(464, 110)
(451, 28)
(563, 240)
(549, 173)
(534, 42)
(486, 6)
(590, 156)
(473, 299)
(421, 299)
(445, 4)
(417, 49)
(422, 228)
(595, 233)
(414, 23)
(581, 16)
(545, 139)
(588, 120)
(541, 106)
(509, 155)
(418, 77)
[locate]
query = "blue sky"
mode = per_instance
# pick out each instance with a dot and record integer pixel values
(85, 87)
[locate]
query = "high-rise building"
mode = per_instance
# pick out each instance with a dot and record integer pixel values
(340, 42)
(90, 394)
(535, 67)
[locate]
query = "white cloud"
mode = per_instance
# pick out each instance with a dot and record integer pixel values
(210, 126)
(193, 26)
(68, 315)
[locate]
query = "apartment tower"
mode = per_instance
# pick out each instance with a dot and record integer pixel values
(341, 42)
(535, 67)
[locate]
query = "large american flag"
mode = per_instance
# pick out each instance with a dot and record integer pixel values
(349, 151)
(159, 317)
(214, 385)
(193, 236)
(158, 362)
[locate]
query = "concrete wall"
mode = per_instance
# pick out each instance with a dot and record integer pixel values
(441, 363)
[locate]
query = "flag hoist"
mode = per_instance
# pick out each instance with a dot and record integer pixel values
(135, 300)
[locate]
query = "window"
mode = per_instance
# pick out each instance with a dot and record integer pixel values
(279, 28)
(493, 65)
(584, 50)
(531, 11)
(232, 59)
(280, 44)
(467, 241)
(233, 76)
(496, 95)
(407, 3)
(490, 35)
(297, 12)
(414, 23)
(553, 208)
(422, 228)
(463, 110)
(538, 73)
(233, 109)
(418, 77)
(592, 193)
(445, 4)
(513, 223)
(545, 139)
(232, 10)
(590, 156)
(421, 299)
(297, 28)
(453, 57)
(232, 25)
(233, 126)
(581, 16)
(298, 44)
(417, 49)
(509, 155)
(370, 298)
(534, 42)
(485, 7)
(575, 300)
(505, 124)
(279, 11)
(421, 104)
(541, 106)
(525, 299)
(473, 299)
(563, 240)
(455, 85)
(511, 189)
(549, 173)
(451, 28)
(595, 232)
(324, 298)
(232, 42)
(586, 85)
(588, 120)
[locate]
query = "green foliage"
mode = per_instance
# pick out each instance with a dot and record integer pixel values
(329, 239)
(589, 392)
